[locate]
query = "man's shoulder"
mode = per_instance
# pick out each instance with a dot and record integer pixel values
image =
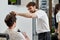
(41, 11)
(58, 14)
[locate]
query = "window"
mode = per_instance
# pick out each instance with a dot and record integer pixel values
(14, 2)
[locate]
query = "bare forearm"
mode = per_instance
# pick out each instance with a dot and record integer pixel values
(58, 27)
(27, 15)
(21, 14)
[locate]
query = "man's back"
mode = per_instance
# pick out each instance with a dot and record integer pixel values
(13, 35)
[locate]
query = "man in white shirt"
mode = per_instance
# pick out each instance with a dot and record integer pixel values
(10, 21)
(42, 27)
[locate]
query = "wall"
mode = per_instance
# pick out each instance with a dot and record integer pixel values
(54, 2)
(24, 24)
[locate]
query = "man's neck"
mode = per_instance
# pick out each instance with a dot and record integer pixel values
(11, 28)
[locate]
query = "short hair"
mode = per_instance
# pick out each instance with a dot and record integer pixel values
(31, 4)
(10, 19)
(57, 7)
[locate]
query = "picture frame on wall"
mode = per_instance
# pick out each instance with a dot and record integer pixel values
(14, 2)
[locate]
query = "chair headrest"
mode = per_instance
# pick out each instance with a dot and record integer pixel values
(3, 35)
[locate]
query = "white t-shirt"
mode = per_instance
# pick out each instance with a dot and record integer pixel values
(42, 22)
(13, 35)
(58, 17)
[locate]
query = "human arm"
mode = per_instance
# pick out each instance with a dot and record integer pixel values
(27, 15)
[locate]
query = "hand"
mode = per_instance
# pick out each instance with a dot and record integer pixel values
(25, 34)
(13, 13)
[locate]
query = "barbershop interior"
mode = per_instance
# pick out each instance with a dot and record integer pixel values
(26, 27)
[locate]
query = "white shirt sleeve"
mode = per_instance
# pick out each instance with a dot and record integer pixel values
(58, 17)
(40, 13)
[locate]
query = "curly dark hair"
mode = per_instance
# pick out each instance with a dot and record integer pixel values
(10, 19)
